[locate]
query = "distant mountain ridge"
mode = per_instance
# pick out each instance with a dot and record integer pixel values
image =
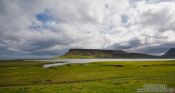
(98, 53)
(170, 53)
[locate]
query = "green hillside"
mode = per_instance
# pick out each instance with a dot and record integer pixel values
(95, 53)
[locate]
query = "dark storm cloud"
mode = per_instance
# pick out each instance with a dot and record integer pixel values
(126, 45)
(156, 49)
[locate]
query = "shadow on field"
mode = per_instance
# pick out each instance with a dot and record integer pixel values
(114, 65)
(157, 65)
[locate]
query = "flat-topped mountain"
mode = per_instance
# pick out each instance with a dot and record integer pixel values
(97, 53)
(170, 53)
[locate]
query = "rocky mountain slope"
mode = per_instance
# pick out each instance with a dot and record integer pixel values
(170, 53)
(96, 53)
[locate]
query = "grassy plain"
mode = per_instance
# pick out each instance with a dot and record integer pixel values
(98, 77)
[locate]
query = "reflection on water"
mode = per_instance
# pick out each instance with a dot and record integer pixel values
(67, 61)
(53, 65)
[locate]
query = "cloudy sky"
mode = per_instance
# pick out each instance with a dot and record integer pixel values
(45, 28)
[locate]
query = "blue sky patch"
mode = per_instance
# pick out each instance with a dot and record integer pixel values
(44, 17)
(47, 21)
(124, 18)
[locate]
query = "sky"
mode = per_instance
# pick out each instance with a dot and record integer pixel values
(47, 28)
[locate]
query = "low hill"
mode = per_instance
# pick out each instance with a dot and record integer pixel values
(170, 53)
(96, 53)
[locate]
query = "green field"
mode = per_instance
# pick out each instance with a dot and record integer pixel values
(98, 77)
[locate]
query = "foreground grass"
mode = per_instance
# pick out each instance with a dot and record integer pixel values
(97, 77)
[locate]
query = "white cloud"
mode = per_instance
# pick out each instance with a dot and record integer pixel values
(133, 25)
